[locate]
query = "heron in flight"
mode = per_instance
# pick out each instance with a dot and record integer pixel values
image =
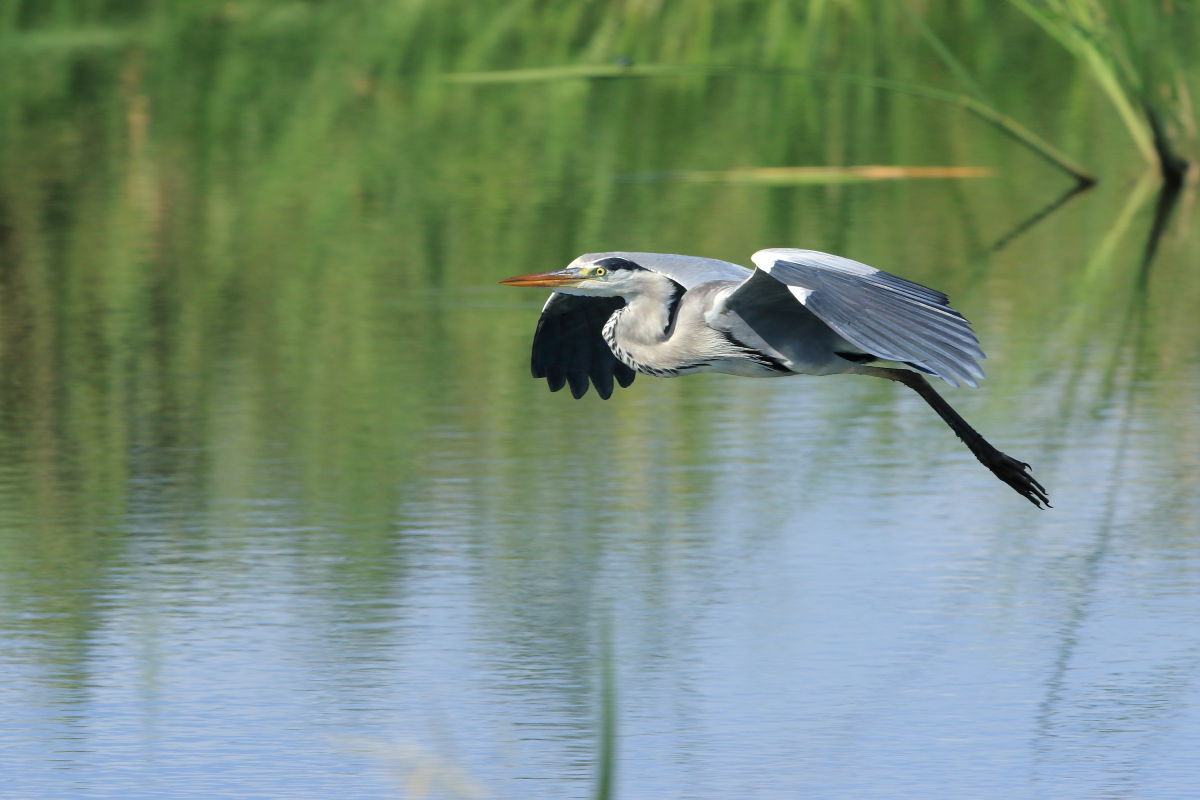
(801, 312)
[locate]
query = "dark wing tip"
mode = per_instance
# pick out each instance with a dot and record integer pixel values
(623, 374)
(578, 383)
(569, 349)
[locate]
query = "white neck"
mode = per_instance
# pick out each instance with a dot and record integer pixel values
(643, 334)
(649, 316)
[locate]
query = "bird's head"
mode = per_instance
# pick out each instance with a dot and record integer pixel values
(592, 275)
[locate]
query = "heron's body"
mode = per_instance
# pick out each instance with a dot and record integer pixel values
(700, 334)
(801, 312)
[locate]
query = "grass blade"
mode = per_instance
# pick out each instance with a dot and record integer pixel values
(797, 176)
(607, 761)
(1073, 27)
(973, 105)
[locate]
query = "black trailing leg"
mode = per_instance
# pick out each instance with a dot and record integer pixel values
(1008, 469)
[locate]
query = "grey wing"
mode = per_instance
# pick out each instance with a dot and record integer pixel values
(568, 347)
(884, 315)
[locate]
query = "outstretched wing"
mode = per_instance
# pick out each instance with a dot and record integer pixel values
(885, 315)
(569, 349)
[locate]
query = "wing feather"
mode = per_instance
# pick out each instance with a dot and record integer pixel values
(568, 348)
(883, 314)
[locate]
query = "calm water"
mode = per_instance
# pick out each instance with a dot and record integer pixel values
(282, 515)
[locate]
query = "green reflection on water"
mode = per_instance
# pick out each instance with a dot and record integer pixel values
(251, 254)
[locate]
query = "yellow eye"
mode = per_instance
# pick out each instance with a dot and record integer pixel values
(599, 272)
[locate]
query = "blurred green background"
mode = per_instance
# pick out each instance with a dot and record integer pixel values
(248, 252)
(213, 201)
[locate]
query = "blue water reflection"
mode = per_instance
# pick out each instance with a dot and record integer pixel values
(282, 515)
(797, 618)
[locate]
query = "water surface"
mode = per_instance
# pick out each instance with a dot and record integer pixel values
(282, 514)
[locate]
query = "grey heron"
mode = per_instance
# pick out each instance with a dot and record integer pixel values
(800, 312)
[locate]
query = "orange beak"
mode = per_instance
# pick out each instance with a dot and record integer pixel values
(552, 280)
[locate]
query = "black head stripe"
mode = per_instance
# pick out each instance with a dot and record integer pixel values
(616, 262)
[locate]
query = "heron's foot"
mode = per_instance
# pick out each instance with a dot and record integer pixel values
(1017, 475)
